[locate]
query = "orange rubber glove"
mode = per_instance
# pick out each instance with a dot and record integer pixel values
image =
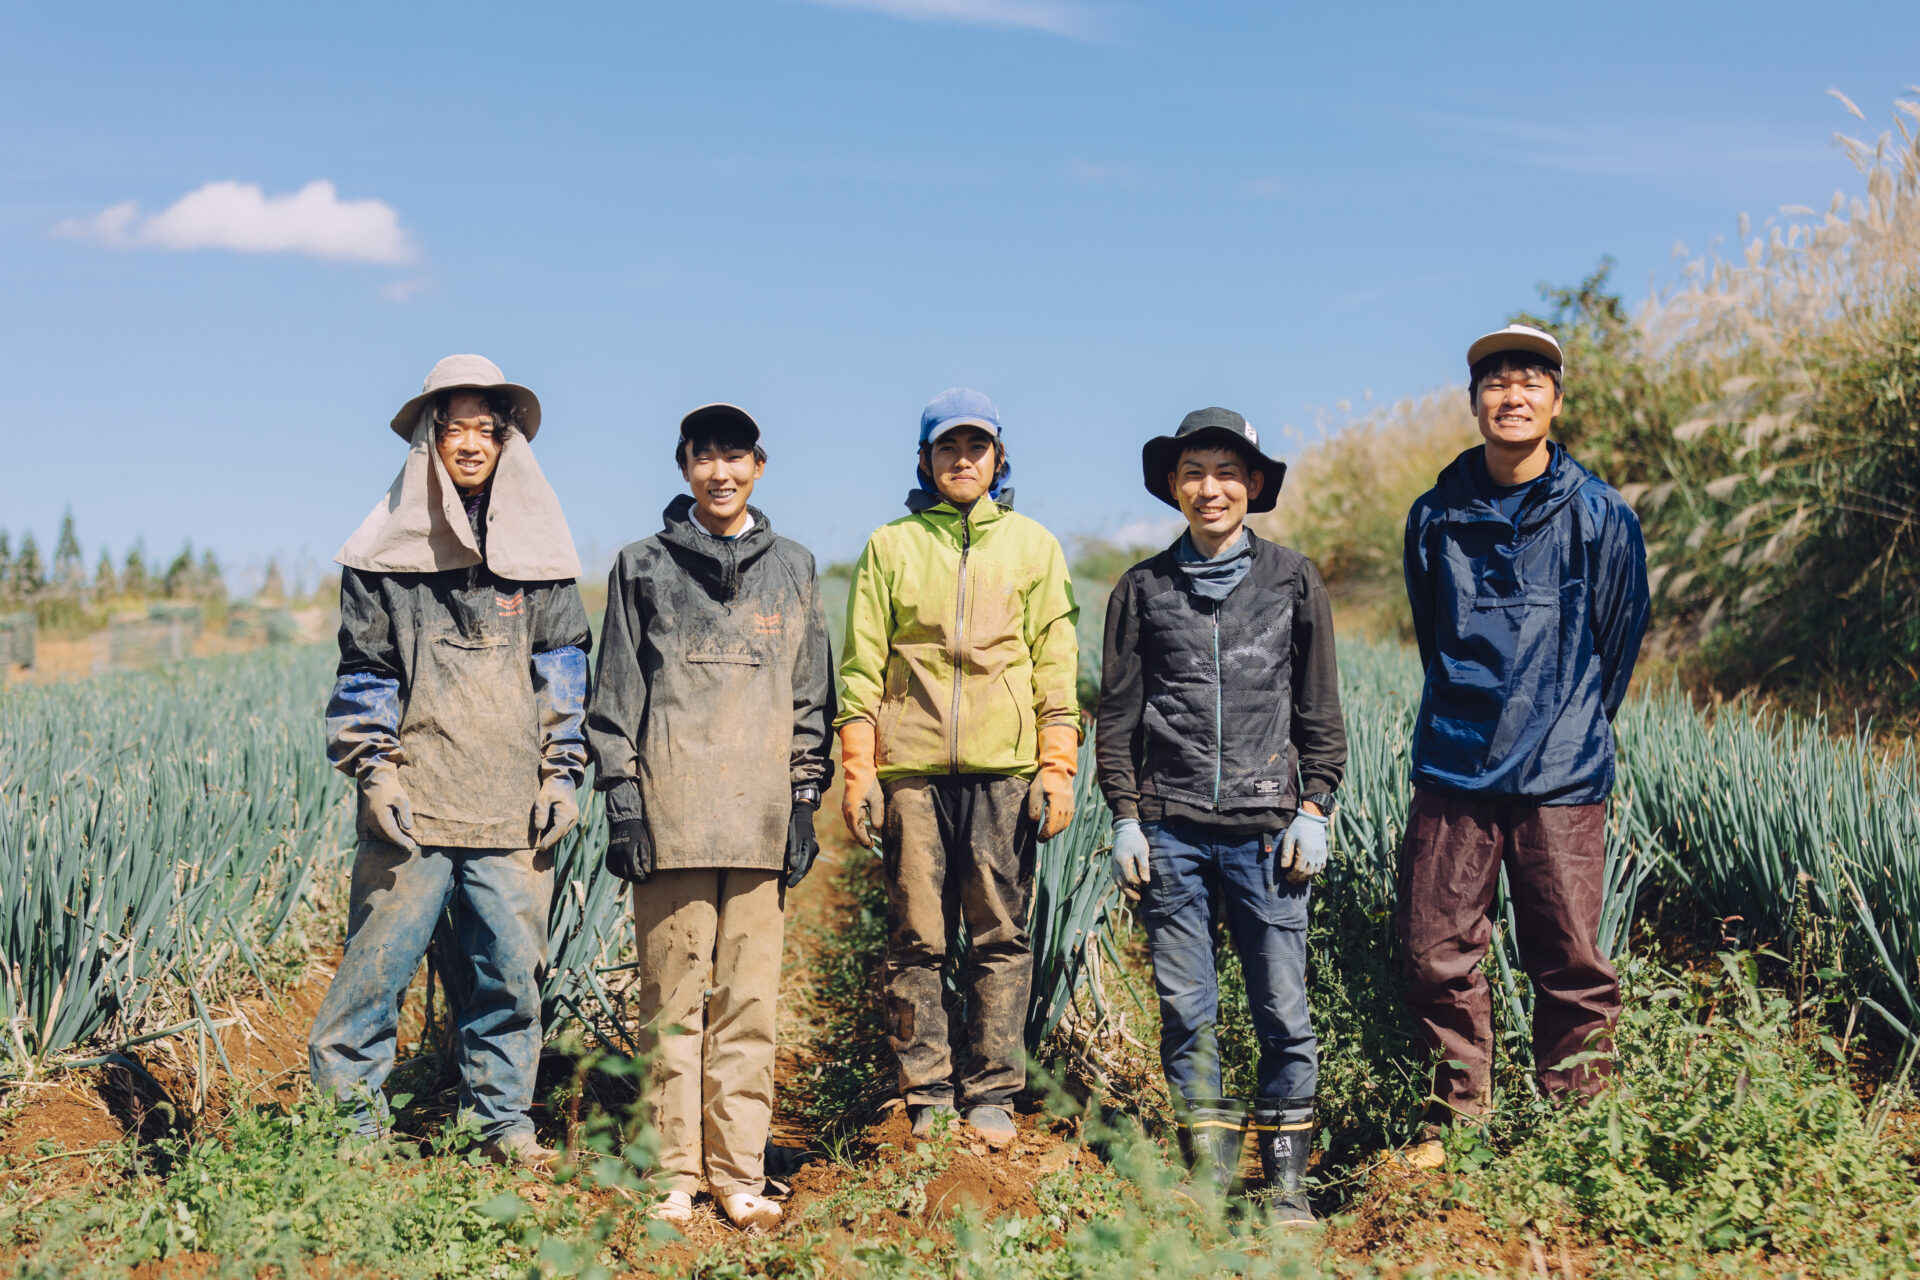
(1050, 798)
(863, 806)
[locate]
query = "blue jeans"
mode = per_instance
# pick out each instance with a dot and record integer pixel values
(500, 900)
(1199, 874)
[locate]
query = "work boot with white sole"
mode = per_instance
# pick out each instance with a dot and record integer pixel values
(993, 1125)
(675, 1207)
(927, 1117)
(751, 1213)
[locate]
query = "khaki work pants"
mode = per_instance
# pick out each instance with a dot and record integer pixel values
(710, 942)
(959, 851)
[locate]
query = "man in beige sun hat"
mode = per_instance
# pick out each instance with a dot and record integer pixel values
(458, 707)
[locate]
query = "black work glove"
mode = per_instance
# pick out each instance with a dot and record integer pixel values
(802, 847)
(630, 849)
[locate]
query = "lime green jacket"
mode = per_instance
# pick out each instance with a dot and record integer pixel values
(960, 641)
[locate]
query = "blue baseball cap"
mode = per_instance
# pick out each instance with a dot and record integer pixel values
(958, 407)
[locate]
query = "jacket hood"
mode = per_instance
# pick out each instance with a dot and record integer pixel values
(717, 562)
(421, 526)
(1466, 487)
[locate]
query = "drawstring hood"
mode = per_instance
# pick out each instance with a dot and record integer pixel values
(716, 563)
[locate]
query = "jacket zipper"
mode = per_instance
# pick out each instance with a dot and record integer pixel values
(959, 630)
(1219, 746)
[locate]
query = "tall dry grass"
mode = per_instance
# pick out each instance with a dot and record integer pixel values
(1347, 494)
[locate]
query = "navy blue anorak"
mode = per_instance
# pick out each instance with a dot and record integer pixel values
(1528, 629)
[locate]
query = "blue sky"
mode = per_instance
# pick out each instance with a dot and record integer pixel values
(1101, 214)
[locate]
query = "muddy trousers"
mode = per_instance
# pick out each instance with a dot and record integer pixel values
(499, 900)
(1555, 857)
(959, 852)
(1197, 876)
(709, 942)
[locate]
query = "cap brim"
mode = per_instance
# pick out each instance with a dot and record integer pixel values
(954, 424)
(1158, 456)
(528, 403)
(720, 416)
(1506, 340)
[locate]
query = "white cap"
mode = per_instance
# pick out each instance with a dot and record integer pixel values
(1515, 337)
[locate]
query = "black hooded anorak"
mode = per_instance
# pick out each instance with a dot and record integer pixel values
(714, 690)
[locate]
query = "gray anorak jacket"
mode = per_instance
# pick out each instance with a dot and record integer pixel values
(472, 684)
(714, 691)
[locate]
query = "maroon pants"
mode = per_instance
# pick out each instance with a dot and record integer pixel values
(1449, 869)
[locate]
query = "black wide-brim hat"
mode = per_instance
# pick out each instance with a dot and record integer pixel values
(1211, 426)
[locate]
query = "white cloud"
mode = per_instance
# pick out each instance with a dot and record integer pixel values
(239, 216)
(1057, 17)
(405, 290)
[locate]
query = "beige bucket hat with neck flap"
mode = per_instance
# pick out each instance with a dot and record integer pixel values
(421, 525)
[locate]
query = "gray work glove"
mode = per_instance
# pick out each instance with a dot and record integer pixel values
(555, 811)
(1303, 850)
(1131, 868)
(385, 811)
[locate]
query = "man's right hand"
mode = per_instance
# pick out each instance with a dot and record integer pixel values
(863, 805)
(630, 850)
(387, 811)
(1132, 868)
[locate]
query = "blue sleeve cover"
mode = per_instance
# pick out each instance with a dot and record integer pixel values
(560, 691)
(363, 720)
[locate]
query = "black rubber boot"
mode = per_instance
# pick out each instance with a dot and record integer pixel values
(1212, 1133)
(1283, 1130)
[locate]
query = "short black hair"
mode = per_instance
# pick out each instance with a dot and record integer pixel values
(1220, 440)
(504, 408)
(722, 434)
(1511, 361)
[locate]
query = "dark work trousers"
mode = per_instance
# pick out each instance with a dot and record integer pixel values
(1449, 869)
(1197, 875)
(959, 849)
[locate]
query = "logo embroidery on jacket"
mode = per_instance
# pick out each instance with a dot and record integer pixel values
(511, 606)
(767, 624)
(1266, 787)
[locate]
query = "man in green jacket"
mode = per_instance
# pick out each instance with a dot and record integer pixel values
(959, 734)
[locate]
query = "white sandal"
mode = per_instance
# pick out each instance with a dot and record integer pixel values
(677, 1208)
(750, 1212)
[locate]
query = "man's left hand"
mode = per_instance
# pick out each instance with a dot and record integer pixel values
(555, 811)
(802, 846)
(1303, 850)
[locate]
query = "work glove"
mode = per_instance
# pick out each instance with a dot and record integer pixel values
(1050, 797)
(802, 846)
(555, 811)
(1303, 849)
(384, 808)
(629, 842)
(630, 850)
(863, 806)
(1131, 866)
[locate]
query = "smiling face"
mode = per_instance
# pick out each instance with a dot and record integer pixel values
(721, 476)
(1213, 485)
(469, 443)
(1516, 406)
(963, 463)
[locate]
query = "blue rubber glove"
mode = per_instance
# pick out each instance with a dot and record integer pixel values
(1303, 850)
(1131, 870)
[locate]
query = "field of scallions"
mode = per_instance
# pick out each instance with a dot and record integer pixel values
(165, 839)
